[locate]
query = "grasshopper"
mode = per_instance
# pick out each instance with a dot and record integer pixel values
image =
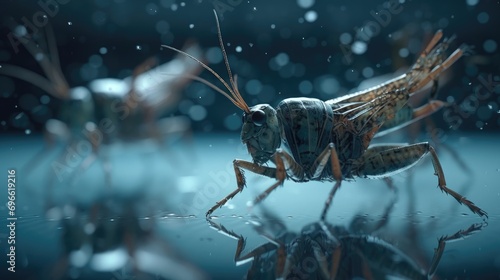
(313, 140)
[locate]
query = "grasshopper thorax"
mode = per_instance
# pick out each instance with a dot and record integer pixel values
(261, 132)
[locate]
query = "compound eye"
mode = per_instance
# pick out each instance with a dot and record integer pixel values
(259, 117)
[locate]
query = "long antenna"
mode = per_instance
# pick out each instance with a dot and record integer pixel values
(235, 96)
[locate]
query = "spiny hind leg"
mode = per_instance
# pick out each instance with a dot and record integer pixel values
(438, 252)
(434, 74)
(379, 163)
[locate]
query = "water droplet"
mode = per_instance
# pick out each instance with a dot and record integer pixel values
(472, 2)
(305, 3)
(289, 217)
(138, 47)
(359, 47)
(404, 52)
(273, 26)
(255, 8)
(191, 26)
(311, 16)
(490, 46)
(239, 49)
(70, 23)
(483, 17)
(345, 38)
(197, 112)
(27, 131)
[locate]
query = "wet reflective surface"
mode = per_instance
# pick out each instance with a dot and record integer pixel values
(135, 155)
(86, 230)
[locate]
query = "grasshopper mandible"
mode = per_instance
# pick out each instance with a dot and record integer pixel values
(313, 140)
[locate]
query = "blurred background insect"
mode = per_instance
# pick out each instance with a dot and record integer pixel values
(326, 251)
(308, 139)
(108, 110)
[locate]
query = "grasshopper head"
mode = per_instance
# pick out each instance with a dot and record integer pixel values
(261, 132)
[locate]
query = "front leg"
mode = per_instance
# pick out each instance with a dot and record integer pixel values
(240, 179)
(273, 245)
(284, 162)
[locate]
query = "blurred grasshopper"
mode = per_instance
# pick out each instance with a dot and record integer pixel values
(108, 110)
(325, 251)
(310, 139)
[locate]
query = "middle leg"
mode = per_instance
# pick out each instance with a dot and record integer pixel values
(319, 165)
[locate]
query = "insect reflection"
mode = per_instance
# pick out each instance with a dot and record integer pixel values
(327, 251)
(116, 235)
(108, 110)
